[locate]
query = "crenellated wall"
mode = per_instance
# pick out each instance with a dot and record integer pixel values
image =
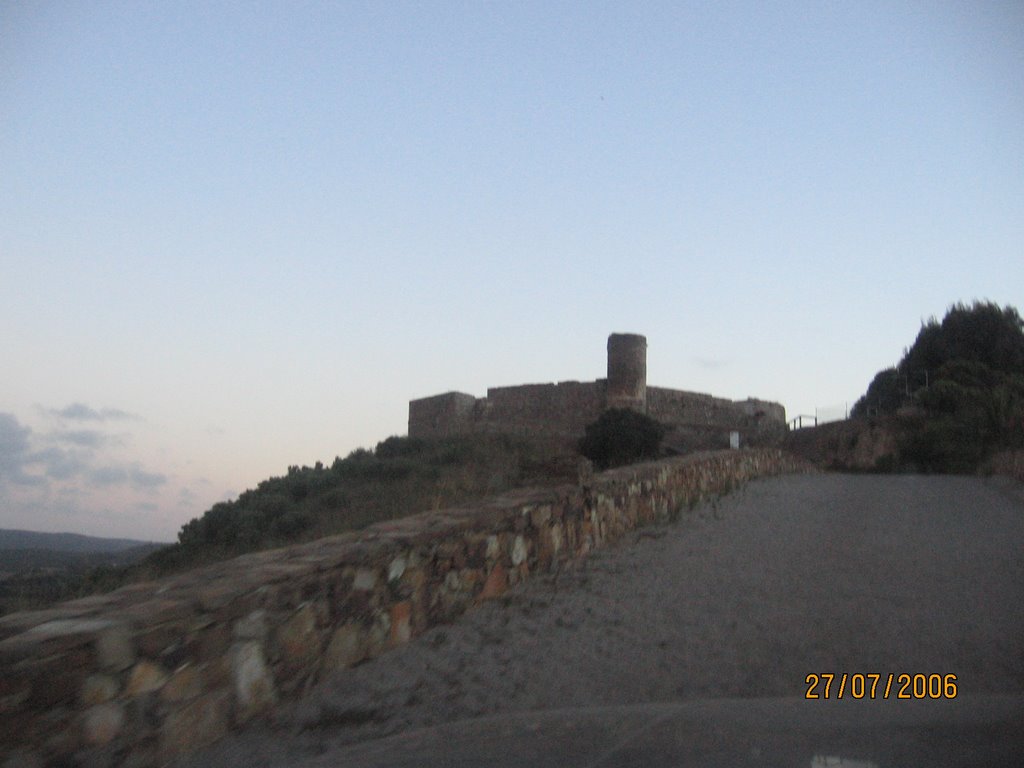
(158, 669)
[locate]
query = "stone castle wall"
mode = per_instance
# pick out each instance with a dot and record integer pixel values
(704, 421)
(441, 415)
(562, 411)
(154, 670)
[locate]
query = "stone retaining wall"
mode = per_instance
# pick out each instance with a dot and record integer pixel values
(154, 670)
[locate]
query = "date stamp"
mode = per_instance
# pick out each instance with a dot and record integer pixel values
(871, 685)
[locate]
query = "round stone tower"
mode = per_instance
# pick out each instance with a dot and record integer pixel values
(627, 372)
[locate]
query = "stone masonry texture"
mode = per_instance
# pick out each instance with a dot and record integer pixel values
(155, 670)
(563, 410)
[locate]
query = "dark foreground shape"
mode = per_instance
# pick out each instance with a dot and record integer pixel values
(966, 731)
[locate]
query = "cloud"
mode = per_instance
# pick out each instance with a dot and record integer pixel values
(82, 412)
(60, 464)
(76, 475)
(141, 479)
(14, 450)
(67, 454)
(86, 438)
(104, 476)
(132, 475)
(187, 497)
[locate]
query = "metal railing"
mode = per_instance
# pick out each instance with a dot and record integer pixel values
(822, 415)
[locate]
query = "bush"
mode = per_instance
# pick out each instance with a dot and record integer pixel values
(965, 378)
(399, 447)
(941, 444)
(885, 394)
(974, 346)
(621, 436)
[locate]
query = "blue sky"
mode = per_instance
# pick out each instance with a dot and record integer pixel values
(238, 236)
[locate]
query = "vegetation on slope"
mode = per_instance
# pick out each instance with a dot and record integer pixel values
(30, 577)
(400, 477)
(959, 389)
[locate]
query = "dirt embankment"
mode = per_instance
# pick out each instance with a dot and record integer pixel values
(873, 445)
(855, 444)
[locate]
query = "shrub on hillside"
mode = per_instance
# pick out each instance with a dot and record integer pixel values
(400, 447)
(975, 346)
(621, 436)
(885, 395)
(940, 444)
(964, 378)
(400, 476)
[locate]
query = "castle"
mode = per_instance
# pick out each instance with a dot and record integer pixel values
(560, 412)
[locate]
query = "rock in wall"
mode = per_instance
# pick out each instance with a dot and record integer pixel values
(157, 669)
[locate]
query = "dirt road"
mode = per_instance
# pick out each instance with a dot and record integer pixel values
(742, 599)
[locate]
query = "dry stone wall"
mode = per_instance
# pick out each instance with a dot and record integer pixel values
(155, 670)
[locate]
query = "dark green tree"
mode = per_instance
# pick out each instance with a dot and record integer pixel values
(885, 394)
(621, 436)
(976, 345)
(966, 377)
(982, 333)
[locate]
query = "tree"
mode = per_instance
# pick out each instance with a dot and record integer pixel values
(885, 394)
(621, 436)
(966, 377)
(982, 340)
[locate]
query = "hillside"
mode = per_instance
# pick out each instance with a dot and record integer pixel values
(956, 399)
(400, 477)
(63, 542)
(59, 566)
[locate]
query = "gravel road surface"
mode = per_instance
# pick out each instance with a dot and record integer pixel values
(741, 599)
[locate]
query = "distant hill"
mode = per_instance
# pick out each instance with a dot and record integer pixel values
(64, 542)
(401, 476)
(21, 560)
(40, 568)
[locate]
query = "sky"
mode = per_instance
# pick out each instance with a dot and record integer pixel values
(236, 237)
